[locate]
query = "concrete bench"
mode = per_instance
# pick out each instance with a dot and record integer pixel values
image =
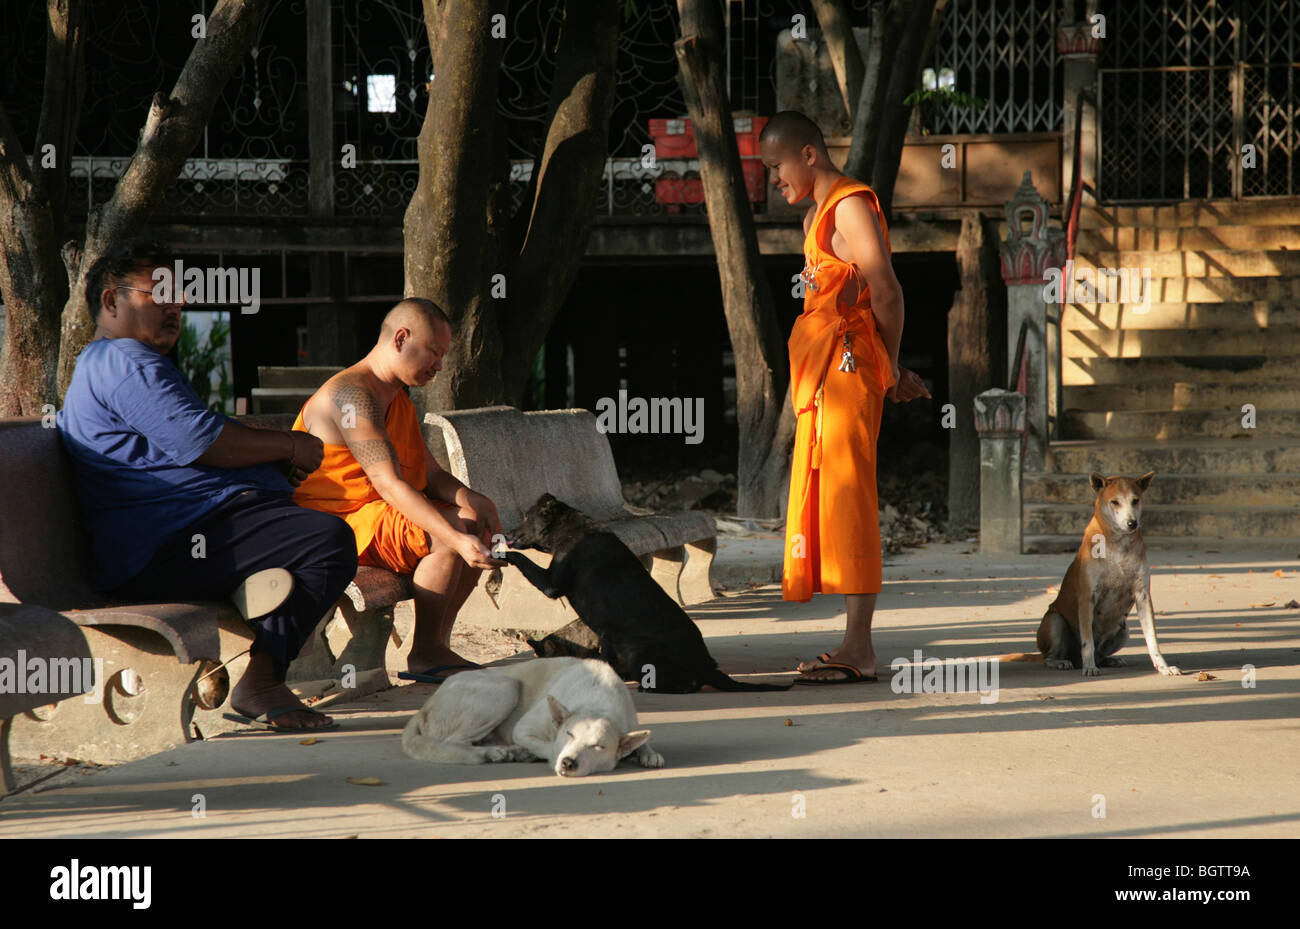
(32, 635)
(169, 665)
(514, 458)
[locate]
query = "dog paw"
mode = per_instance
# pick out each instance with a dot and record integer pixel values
(1091, 670)
(496, 753)
(1171, 670)
(1059, 664)
(650, 759)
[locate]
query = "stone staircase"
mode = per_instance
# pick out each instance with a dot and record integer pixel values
(1163, 389)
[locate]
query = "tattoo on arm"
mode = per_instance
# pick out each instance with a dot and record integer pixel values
(372, 451)
(356, 403)
(352, 398)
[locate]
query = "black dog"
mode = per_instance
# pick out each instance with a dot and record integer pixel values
(636, 622)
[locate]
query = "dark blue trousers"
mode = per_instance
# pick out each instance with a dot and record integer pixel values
(252, 531)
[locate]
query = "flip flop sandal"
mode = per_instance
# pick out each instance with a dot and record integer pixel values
(851, 675)
(431, 676)
(266, 718)
(824, 658)
(262, 592)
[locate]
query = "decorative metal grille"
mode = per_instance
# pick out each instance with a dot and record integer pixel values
(1005, 53)
(1184, 85)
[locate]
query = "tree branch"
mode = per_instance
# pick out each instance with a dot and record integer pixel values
(172, 129)
(837, 30)
(568, 179)
(61, 100)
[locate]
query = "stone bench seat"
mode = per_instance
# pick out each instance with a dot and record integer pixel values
(514, 457)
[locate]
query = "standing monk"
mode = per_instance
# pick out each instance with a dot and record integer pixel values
(843, 363)
(409, 515)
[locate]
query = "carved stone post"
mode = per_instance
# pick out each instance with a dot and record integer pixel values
(1078, 43)
(1026, 258)
(1000, 422)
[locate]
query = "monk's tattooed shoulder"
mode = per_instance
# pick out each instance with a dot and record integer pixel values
(355, 402)
(372, 451)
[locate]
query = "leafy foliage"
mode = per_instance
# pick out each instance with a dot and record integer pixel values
(198, 360)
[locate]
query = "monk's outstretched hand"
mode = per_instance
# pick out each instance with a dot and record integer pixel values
(909, 387)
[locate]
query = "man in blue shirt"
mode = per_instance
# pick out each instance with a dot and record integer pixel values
(182, 503)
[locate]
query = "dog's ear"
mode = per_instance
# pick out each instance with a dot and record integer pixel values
(558, 712)
(1145, 479)
(1098, 481)
(632, 741)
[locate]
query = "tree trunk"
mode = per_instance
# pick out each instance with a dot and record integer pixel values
(33, 210)
(502, 278)
(762, 378)
(171, 131)
(899, 40)
(971, 363)
(837, 30)
(450, 253)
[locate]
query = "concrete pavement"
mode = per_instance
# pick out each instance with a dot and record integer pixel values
(1129, 753)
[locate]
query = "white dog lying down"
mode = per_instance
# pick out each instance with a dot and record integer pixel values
(518, 713)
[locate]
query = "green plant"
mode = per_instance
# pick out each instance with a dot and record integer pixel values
(933, 102)
(199, 360)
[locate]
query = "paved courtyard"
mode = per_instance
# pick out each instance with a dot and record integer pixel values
(1129, 753)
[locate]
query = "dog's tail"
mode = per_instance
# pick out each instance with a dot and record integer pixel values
(719, 681)
(1022, 656)
(423, 748)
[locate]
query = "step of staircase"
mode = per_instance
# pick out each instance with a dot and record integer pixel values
(1245, 455)
(1181, 424)
(1165, 489)
(1264, 393)
(1222, 521)
(1243, 314)
(1194, 264)
(1192, 213)
(1112, 238)
(1209, 343)
(1194, 369)
(1197, 548)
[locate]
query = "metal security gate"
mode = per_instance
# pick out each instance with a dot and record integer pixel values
(1185, 85)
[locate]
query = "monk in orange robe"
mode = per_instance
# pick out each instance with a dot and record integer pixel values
(843, 364)
(409, 515)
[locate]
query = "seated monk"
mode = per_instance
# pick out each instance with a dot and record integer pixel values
(409, 515)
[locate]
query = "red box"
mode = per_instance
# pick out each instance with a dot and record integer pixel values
(675, 138)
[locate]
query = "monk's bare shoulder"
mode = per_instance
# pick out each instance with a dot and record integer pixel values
(360, 417)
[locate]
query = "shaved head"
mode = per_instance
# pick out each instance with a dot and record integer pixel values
(416, 314)
(791, 130)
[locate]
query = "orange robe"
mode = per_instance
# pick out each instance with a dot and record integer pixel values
(340, 486)
(832, 526)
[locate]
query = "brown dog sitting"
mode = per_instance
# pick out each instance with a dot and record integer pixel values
(1085, 626)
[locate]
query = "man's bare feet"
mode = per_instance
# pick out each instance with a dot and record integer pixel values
(258, 692)
(817, 670)
(829, 655)
(420, 662)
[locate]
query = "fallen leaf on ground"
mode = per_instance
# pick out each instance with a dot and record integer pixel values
(365, 781)
(1203, 676)
(789, 722)
(1292, 605)
(1279, 573)
(312, 741)
(1263, 605)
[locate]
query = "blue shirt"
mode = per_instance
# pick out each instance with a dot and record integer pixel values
(134, 427)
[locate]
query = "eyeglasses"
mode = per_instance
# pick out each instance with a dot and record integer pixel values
(142, 290)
